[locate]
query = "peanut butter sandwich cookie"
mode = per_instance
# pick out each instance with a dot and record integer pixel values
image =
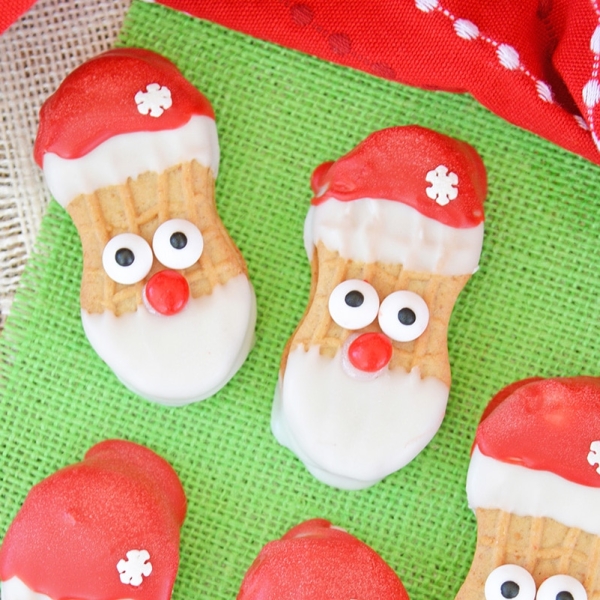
(129, 147)
(393, 233)
(534, 484)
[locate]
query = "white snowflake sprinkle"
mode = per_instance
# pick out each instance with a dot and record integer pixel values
(467, 30)
(135, 567)
(154, 101)
(581, 122)
(591, 93)
(595, 41)
(508, 57)
(544, 91)
(426, 5)
(594, 455)
(443, 184)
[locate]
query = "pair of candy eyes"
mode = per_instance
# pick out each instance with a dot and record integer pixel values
(177, 244)
(403, 316)
(512, 582)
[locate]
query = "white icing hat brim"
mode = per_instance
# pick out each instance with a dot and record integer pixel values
(129, 155)
(374, 230)
(494, 484)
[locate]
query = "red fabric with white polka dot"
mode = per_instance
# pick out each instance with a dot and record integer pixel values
(534, 62)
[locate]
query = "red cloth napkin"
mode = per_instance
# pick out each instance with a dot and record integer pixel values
(11, 10)
(533, 62)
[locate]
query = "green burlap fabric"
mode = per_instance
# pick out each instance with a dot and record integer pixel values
(532, 309)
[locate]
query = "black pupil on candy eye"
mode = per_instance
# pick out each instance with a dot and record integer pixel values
(564, 596)
(178, 240)
(509, 589)
(407, 317)
(354, 299)
(124, 257)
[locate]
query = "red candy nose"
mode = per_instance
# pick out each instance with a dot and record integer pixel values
(370, 352)
(167, 292)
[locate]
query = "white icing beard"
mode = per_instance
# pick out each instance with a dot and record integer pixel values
(187, 357)
(348, 433)
(15, 589)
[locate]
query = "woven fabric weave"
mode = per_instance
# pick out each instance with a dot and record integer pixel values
(535, 63)
(530, 310)
(36, 53)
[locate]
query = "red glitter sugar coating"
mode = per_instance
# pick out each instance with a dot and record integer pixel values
(76, 525)
(545, 425)
(316, 561)
(97, 102)
(392, 164)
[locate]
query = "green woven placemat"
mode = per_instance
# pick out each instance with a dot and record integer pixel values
(532, 309)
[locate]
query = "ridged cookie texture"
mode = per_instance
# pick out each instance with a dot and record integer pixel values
(393, 233)
(129, 147)
(534, 484)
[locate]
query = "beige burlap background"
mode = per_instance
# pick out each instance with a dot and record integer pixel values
(36, 54)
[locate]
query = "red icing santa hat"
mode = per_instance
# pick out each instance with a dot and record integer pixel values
(105, 528)
(443, 178)
(404, 195)
(317, 560)
(121, 113)
(537, 452)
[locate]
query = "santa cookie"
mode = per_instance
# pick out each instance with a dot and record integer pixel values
(394, 231)
(130, 149)
(534, 484)
(315, 561)
(106, 528)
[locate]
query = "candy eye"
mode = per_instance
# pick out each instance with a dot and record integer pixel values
(177, 244)
(509, 582)
(353, 304)
(127, 258)
(561, 587)
(403, 316)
